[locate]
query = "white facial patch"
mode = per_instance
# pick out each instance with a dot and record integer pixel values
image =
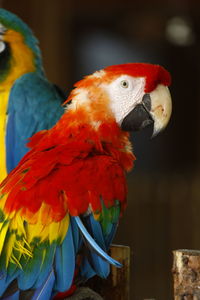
(125, 93)
(79, 99)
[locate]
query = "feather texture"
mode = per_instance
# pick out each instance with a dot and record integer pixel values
(94, 246)
(59, 208)
(45, 291)
(34, 105)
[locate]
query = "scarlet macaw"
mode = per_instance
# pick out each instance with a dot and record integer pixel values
(28, 101)
(61, 205)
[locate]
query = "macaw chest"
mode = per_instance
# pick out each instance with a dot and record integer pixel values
(3, 117)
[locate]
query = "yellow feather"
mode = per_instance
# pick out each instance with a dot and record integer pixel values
(3, 117)
(3, 234)
(1, 225)
(58, 229)
(54, 231)
(22, 62)
(22, 57)
(17, 223)
(9, 248)
(19, 246)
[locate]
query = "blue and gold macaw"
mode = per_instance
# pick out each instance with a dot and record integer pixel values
(28, 101)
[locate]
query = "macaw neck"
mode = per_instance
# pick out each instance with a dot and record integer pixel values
(91, 126)
(105, 136)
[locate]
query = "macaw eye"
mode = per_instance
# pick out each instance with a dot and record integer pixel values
(125, 84)
(2, 46)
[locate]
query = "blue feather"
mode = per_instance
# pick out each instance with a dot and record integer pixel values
(31, 270)
(100, 266)
(6, 280)
(96, 230)
(76, 235)
(86, 270)
(45, 291)
(46, 265)
(94, 246)
(109, 237)
(34, 105)
(65, 262)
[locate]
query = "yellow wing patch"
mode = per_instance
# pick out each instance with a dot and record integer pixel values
(19, 235)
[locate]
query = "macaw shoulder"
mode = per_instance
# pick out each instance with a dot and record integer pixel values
(35, 88)
(34, 105)
(33, 98)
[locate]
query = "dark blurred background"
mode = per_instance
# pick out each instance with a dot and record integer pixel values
(79, 37)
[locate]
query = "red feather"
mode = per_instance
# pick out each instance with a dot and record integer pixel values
(70, 168)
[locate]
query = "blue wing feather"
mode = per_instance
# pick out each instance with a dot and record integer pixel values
(99, 265)
(93, 245)
(65, 262)
(46, 265)
(31, 270)
(34, 105)
(76, 235)
(86, 270)
(45, 291)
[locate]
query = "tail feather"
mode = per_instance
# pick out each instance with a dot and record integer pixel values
(100, 265)
(86, 270)
(93, 245)
(95, 229)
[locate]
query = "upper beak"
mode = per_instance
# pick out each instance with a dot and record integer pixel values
(156, 107)
(161, 108)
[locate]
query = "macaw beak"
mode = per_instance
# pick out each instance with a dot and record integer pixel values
(156, 108)
(161, 108)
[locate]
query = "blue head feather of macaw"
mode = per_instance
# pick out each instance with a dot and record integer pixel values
(19, 51)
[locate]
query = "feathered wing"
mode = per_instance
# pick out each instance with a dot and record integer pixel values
(40, 231)
(34, 105)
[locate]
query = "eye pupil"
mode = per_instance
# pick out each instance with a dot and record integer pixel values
(124, 84)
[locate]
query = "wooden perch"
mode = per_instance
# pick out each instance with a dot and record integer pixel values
(84, 293)
(186, 272)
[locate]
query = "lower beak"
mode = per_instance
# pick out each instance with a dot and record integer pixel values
(155, 108)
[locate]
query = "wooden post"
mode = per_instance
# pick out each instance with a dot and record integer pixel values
(116, 286)
(186, 272)
(84, 293)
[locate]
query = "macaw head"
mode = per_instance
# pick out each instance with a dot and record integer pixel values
(19, 51)
(134, 95)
